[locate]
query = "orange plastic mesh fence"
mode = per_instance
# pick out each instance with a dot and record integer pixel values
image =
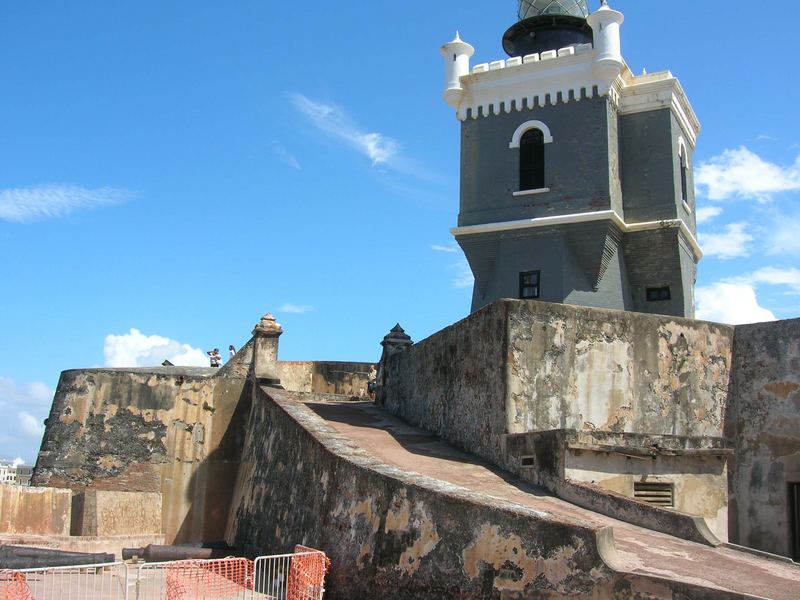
(14, 586)
(201, 579)
(307, 574)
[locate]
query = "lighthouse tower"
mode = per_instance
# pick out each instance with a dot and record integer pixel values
(576, 177)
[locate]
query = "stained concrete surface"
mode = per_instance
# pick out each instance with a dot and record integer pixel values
(639, 550)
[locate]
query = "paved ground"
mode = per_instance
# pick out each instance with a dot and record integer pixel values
(640, 550)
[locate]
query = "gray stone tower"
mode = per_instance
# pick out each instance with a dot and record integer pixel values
(576, 178)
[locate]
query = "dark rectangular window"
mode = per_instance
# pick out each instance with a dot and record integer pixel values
(531, 160)
(658, 494)
(658, 294)
(684, 178)
(794, 520)
(529, 285)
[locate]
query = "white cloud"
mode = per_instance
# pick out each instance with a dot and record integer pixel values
(26, 406)
(707, 213)
(450, 248)
(135, 349)
(295, 309)
(30, 425)
(741, 173)
(732, 303)
(12, 394)
(18, 461)
(731, 243)
(332, 120)
(463, 277)
(774, 276)
(23, 205)
(766, 138)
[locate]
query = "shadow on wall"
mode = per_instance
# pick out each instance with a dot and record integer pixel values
(209, 490)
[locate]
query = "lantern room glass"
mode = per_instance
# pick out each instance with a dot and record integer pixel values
(535, 8)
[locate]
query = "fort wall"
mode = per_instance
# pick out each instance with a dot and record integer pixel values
(764, 423)
(169, 433)
(173, 431)
(385, 528)
(518, 366)
(34, 511)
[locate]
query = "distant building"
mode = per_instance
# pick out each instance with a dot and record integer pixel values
(8, 473)
(24, 474)
(576, 174)
(14, 474)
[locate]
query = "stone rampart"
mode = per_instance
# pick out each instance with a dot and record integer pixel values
(764, 424)
(173, 431)
(105, 513)
(454, 383)
(35, 511)
(411, 536)
(324, 377)
(384, 528)
(517, 367)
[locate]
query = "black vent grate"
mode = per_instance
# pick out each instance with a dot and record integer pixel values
(658, 494)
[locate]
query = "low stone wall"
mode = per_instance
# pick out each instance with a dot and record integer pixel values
(173, 431)
(35, 511)
(521, 366)
(344, 378)
(402, 535)
(104, 513)
(573, 367)
(764, 423)
(454, 383)
(597, 470)
(385, 529)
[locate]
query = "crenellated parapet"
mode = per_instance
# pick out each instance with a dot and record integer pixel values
(569, 74)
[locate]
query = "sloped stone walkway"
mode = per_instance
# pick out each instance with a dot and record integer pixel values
(639, 550)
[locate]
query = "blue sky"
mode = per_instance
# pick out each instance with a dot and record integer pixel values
(171, 171)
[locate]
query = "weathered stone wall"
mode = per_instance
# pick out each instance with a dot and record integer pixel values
(324, 377)
(303, 483)
(35, 511)
(613, 462)
(571, 367)
(106, 513)
(764, 423)
(519, 366)
(454, 383)
(392, 532)
(174, 431)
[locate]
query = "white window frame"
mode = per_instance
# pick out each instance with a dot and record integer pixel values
(527, 126)
(683, 153)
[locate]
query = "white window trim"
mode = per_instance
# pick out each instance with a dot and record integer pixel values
(532, 192)
(682, 153)
(527, 126)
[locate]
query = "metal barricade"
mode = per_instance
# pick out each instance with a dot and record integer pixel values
(225, 579)
(298, 576)
(86, 582)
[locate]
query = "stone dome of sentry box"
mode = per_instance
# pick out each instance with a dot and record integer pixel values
(548, 25)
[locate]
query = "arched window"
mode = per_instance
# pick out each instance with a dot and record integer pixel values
(530, 138)
(531, 160)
